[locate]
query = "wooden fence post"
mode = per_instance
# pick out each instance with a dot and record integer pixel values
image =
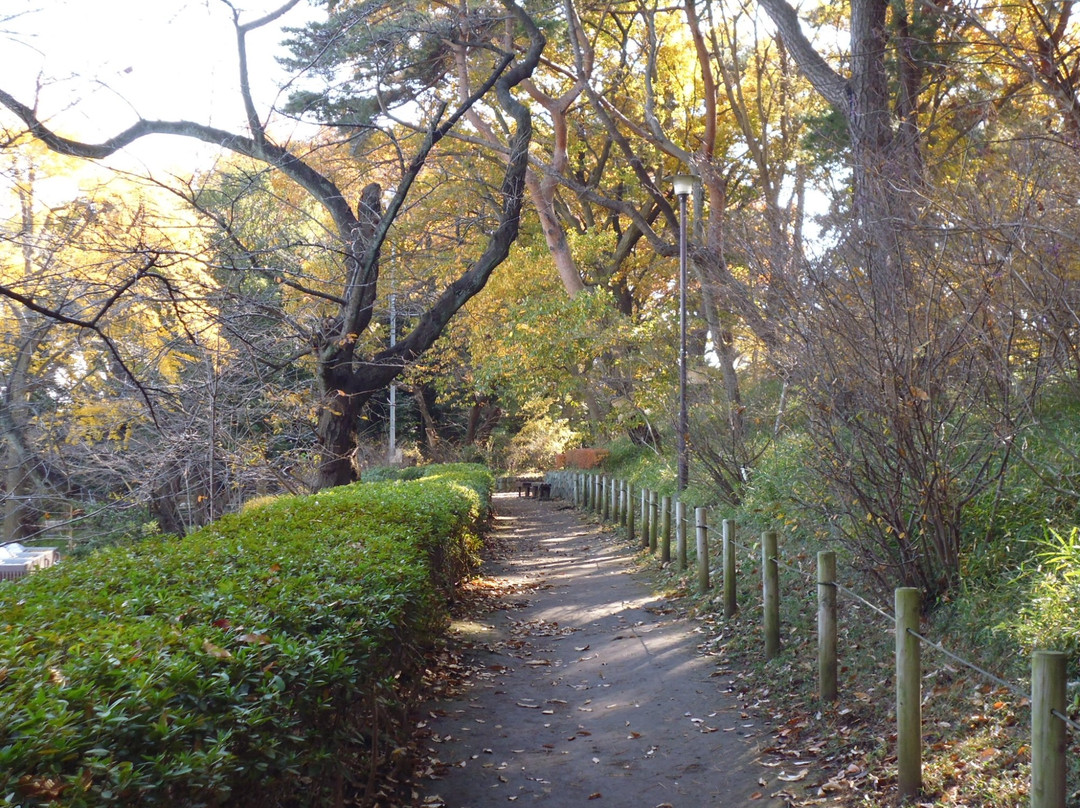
(653, 521)
(1047, 730)
(624, 501)
(644, 517)
(908, 694)
(665, 530)
(702, 523)
(680, 533)
(826, 622)
(730, 604)
(630, 512)
(605, 481)
(770, 593)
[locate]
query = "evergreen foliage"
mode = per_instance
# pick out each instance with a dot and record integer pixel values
(266, 653)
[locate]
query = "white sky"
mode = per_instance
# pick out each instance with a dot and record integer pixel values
(103, 63)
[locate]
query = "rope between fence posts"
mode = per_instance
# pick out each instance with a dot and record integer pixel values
(1068, 721)
(1016, 691)
(865, 602)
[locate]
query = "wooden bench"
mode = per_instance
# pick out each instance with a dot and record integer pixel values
(533, 489)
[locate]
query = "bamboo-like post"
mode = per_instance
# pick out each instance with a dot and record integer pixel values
(826, 622)
(770, 593)
(1047, 730)
(644, 518)
(680, 534)
(728, 533)
(908, 694)
(579, 489)
(615, 500)
(665, 530)
(622, 502)
(630, 511)
(606, 495)
(596, 493)
(702, 524)
(653, 521)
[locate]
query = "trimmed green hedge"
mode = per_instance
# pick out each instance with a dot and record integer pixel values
(259, 658)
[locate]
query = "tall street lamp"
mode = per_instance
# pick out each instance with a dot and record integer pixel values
(684, 186)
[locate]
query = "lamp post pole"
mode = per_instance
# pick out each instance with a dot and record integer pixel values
(391, 448)
(684, 184)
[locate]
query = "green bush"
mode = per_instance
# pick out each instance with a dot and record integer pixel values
(1050, 619)
(377, 474)
(260, 656)
(640, 465)
(783, 491)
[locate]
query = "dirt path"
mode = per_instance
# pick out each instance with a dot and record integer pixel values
(585, 688)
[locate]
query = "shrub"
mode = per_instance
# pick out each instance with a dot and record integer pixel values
(538, 442)
(261, 655)
(377, 474)
(1051, 617)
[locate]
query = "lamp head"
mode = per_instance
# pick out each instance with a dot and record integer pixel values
(684, 184)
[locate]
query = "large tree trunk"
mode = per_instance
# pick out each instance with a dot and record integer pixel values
(337, 439)
(885, 163)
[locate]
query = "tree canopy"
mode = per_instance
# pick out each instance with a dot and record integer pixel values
(882, 261)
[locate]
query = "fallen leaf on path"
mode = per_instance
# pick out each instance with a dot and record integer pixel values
(595, 795)
(793, 778)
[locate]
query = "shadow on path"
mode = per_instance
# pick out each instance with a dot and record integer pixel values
(585, 688)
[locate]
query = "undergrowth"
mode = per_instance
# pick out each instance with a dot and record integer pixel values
(976, 731)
